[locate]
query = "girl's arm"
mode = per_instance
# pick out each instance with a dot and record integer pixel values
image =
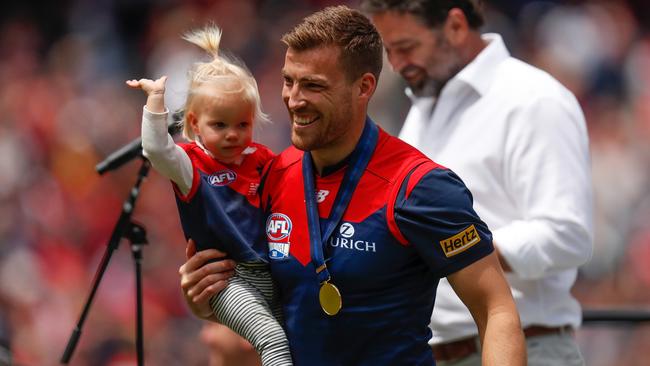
(158, 146)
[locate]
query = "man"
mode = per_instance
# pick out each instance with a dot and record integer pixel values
(360, 225)
(518, 140)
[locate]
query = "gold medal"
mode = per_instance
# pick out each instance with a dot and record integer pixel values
(330, 298)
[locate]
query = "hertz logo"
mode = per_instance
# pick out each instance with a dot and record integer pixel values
(460, 242)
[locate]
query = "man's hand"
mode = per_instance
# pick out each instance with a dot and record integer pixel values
(201, 280)
(155, 90)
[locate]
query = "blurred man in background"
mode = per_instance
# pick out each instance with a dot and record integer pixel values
(518, 139)
(226, 347)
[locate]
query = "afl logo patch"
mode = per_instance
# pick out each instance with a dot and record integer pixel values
(222, 177)
(278, 227)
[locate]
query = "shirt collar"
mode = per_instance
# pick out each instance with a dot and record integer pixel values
(479, 72)
(198, 141)
(410, 94)
(331, 169)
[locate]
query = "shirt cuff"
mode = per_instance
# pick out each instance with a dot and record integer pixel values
(515, 245)
(155, 116)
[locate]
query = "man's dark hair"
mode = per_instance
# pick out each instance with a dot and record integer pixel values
(432, 12)
(348, 29)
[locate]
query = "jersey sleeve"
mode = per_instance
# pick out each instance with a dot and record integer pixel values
(434, 214)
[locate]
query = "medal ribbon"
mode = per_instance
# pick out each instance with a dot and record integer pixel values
(356, 166)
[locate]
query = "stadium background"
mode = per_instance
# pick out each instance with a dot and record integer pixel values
(64, 107)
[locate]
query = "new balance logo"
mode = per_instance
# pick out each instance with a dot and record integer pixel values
(321, 195)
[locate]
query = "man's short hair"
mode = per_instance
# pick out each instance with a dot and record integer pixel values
(348, 29)
(432, 12)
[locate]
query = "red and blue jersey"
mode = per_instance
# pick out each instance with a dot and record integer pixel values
(222, 208)
(409, 223)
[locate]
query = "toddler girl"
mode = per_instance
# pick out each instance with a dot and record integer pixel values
(215, 178)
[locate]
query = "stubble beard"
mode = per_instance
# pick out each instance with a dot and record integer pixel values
(323, 138)
(425, 88)
(304, 143)
(433, 86)
(310, 140)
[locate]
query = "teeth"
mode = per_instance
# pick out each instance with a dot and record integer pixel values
(302, 120)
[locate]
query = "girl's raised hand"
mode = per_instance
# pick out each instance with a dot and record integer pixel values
(149, 86)
(155, 90)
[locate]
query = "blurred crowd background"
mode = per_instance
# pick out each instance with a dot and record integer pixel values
(64, 107)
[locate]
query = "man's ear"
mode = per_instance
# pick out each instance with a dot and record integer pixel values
(456, 28)
(367, 85)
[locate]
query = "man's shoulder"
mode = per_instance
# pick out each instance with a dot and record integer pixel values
(392, 153)
(286, 159)
(390, 146)
(523, 81)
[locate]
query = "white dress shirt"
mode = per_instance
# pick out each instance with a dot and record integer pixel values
(518, 140)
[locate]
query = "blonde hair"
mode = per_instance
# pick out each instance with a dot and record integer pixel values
(228, 73)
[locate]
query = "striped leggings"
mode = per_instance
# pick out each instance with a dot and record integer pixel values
(249, 305)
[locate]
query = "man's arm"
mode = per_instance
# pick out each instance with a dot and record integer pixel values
(438, 220)
(547, 176)
(483, 289)
(201, 280)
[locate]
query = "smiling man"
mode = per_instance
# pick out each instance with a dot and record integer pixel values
(362, 226)
(518, 139)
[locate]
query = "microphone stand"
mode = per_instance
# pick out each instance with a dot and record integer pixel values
(138, 237)
(124, 228)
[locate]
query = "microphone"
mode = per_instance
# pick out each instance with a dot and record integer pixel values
(133, 149)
